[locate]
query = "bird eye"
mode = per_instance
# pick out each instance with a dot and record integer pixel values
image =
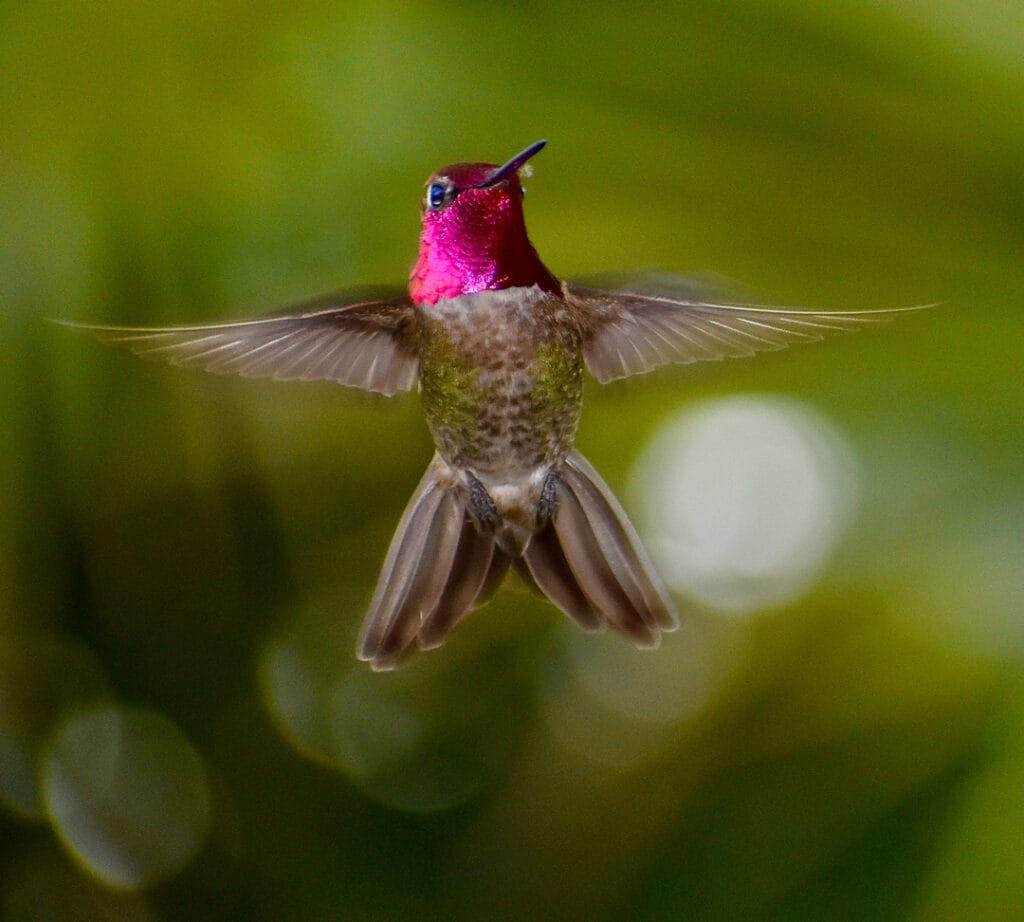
(438, 195)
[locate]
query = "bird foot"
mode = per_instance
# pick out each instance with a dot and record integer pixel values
(548, 504)
(482, 507)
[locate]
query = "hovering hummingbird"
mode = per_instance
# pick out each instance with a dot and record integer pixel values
(497, 346)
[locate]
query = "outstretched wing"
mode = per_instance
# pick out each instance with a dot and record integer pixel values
(630, 332)
(354, 340)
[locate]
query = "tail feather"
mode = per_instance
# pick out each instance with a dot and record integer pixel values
(621, 544)
(469, 571)
(587, 560)
(495, 575)
(415, 571)
(595, 573)
(554, 577)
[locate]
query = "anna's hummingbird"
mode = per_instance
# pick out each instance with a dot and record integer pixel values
(497, 345)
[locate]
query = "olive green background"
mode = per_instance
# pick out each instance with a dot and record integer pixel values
(862, 757)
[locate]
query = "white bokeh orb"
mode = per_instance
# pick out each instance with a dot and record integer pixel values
(743, 499)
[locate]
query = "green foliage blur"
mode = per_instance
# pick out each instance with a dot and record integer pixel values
(185, 559)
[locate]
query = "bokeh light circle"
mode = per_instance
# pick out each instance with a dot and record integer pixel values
(744, 498)
(425, 738)
(128, 795)
(43, 679)
(621, 707)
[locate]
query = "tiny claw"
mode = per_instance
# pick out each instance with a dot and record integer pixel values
(484, 511)
(548, 505)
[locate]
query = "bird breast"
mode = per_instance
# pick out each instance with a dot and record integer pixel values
(501, 378)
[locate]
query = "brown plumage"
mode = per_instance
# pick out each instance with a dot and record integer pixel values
(498, 348)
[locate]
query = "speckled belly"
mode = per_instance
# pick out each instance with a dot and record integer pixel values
(501, 375)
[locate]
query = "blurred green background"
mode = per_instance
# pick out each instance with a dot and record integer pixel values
(184, 731)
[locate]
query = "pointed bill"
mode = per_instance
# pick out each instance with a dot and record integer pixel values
(509, 169)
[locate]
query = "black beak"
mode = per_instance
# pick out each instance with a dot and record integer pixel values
(508, 170)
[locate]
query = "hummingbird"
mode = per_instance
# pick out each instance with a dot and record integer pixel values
(498, 347)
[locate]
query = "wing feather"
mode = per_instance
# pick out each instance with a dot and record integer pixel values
(627, 332)
(356, 341)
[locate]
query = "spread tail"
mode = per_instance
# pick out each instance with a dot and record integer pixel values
(586, 559)
(589, 561)
(438, 567)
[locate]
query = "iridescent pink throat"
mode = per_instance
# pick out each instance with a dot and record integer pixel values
(478, 243)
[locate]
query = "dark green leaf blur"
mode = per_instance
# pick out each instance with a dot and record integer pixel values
(837, 730)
